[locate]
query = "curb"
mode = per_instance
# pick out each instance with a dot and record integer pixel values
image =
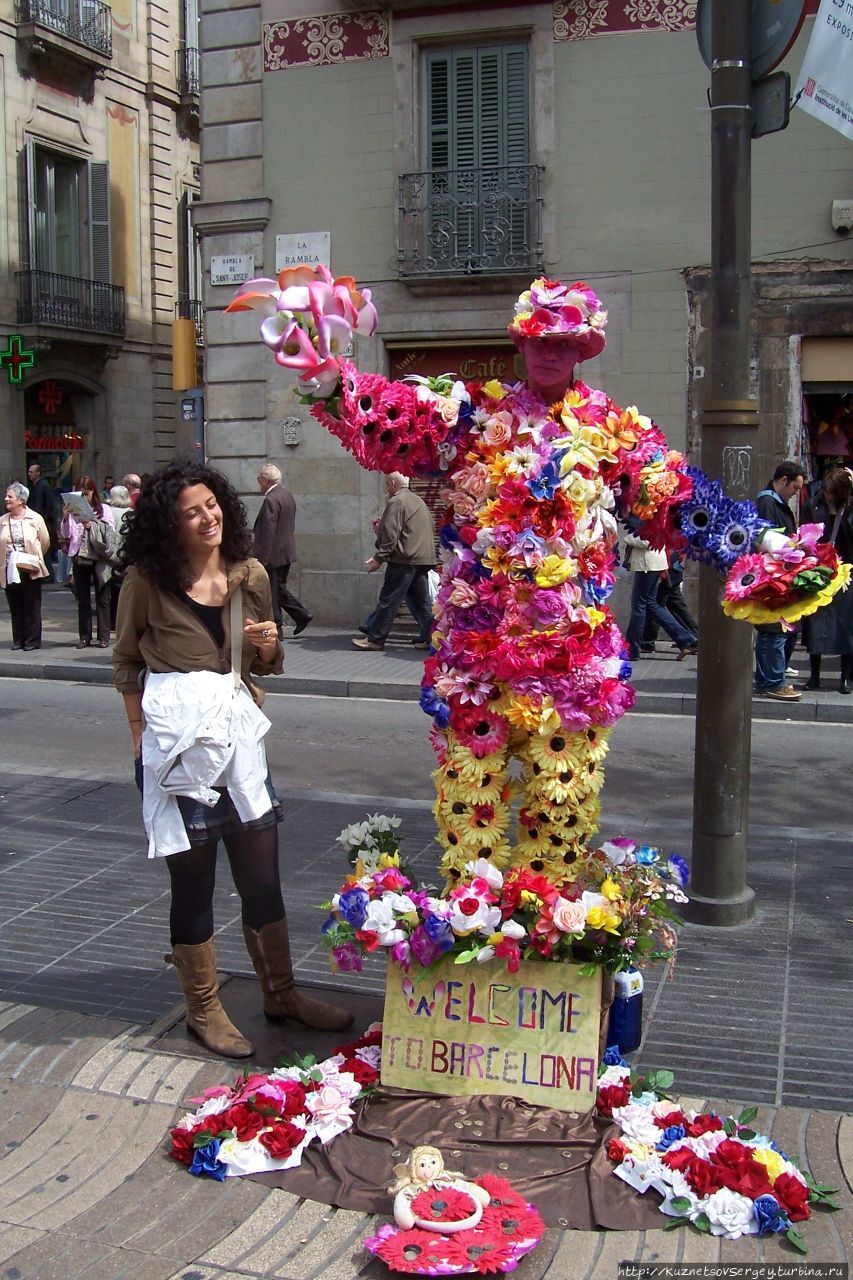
(664, 704)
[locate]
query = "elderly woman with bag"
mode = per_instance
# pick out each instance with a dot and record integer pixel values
(90, 544)
(195, 613)
(24, 540)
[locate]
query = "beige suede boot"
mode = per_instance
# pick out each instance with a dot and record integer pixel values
(206, 1019)
(269, 950)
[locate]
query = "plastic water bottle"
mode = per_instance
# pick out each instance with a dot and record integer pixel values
(626, 1013)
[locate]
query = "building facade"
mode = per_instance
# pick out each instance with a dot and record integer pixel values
(99, 168)
(445, 154)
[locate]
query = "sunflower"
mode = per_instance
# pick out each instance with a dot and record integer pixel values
(483, 732)
(596, 745)
(557, 752)
(462, 766)
(487, 821)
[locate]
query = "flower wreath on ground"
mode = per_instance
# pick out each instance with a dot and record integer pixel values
(715, 1173)
(508, 1229)
(265, 1122)
(614, 908)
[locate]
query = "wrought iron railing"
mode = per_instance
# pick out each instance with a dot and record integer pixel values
(188, 72)
(87, 22)
(471, 221)
(70, 303)
(192, 309)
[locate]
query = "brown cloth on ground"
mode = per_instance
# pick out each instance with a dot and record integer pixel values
(556, 1159)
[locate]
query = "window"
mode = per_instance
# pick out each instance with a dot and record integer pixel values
(68, 214)
(478, 206)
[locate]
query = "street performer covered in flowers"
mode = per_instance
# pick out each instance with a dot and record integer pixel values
(527, 659)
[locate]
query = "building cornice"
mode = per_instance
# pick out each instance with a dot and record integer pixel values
(218, 217)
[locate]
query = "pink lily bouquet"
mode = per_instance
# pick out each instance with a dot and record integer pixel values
(309, 320)
(614, 908)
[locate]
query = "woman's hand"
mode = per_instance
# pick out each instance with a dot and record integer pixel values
(264, 636)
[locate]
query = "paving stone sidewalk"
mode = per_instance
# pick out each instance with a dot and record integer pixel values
(323, 661)
(758, 1014)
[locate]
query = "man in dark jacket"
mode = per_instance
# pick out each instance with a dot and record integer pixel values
(275, 546)
(405, 544)
(772, 647)
(45, 501)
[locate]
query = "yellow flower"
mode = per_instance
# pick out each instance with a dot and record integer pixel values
(552, 571)
(772, 1161)
(596, 617)
(611, 890)
(498, 561)
(599, 918)
(494, 388)
(525, 714)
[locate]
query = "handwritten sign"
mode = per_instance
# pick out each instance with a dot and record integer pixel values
(304, 246)
(464, 1029)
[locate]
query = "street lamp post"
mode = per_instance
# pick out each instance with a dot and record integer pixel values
(719, 894)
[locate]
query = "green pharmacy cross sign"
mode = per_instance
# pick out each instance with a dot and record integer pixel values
(16, 358)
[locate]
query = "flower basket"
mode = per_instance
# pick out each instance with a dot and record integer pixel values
(461, 1029)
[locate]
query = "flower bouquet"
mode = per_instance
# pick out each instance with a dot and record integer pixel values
(613, 908)
(265, 1122)
(508, 1229)
(713, 1172)
(310, 318)
(787, 579)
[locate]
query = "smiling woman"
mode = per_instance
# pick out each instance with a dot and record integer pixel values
(198, 734)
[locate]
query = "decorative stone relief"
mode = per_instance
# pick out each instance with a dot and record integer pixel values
(325, 39)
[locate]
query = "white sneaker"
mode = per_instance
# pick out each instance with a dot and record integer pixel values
(791, 671)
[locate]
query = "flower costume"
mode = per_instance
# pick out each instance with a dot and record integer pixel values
(527, 660)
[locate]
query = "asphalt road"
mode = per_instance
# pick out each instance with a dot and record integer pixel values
(350, 747)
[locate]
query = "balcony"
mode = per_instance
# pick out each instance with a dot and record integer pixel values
(66, 302)
(471, 222)
(188, 72)
(192, 309)
(77, 29)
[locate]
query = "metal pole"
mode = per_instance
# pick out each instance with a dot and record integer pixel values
(719, 894)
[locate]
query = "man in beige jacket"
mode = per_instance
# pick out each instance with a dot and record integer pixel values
(405, 544)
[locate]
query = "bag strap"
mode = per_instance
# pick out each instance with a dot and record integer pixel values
(836, 526)
(237, 636)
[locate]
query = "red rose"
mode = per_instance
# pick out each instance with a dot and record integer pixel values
(672, 1118)
(368, 938)
(611, 1096)
(616, 1150)
(182, 1145)
(362, 1071)
(705, 1178)
(732, 1154)
(793, 1196)
(702, 1124)
(751, 1180)
(682, 1158)
(244, 1119)
(281, 1139)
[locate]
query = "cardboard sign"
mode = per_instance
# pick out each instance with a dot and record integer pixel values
(475, 1028)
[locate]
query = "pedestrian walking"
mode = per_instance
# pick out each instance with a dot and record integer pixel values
(405, 544)
(119, 503)
(24, 542)
(830, 630)
(671, 597)
(90, 544)
(774, 646)
(275, 546)
(647, 565)
(195, 613)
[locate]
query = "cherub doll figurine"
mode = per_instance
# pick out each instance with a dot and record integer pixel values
(527, 658)
(424, 1173)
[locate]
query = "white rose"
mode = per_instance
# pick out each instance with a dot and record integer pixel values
(730, 1214)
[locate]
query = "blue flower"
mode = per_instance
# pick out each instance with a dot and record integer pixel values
(647, 855)
(449, 535)
(671, 1134)
(546, 483)
(596, 592)
(769, 1215)
(678, 869)
(439, 932)
(733, 533)
(613, 1058)
(435, 706)
(205, 1162)
(625, 670)
(353, 907)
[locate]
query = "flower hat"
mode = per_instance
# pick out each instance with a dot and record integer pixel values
(551, 309)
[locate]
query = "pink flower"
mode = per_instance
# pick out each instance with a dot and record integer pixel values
(569, 917)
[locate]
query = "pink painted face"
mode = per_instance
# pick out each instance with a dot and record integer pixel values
(550, 361)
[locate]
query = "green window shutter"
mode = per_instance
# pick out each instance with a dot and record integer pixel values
(99, 222)
(438, 111)
(517, 107)
(477, 107)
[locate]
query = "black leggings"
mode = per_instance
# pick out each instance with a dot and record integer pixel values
(253, 855)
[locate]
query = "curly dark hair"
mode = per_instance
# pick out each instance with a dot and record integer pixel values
(150, 534)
